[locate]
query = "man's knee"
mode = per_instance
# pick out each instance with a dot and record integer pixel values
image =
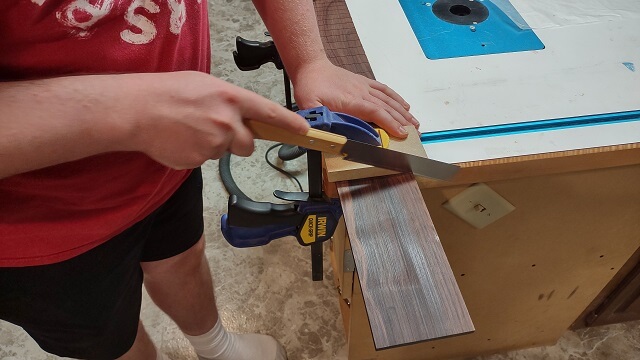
(187, 262)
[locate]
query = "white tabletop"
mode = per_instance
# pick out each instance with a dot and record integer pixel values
(580, 72)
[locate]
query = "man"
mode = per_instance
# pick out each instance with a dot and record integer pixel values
(106, 106)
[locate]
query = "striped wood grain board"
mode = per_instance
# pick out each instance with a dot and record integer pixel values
(341, 42)
(409, 289)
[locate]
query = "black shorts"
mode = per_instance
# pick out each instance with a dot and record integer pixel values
(88, 307)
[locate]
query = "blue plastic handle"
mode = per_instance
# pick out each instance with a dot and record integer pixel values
(351, 127)
(242, 237)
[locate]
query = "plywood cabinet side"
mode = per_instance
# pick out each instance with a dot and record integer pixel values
(528, 276)
(575, 220)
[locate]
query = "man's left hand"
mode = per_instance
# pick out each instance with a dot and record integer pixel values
(322, 83)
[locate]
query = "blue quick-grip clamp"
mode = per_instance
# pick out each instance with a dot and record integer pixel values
(249, 223)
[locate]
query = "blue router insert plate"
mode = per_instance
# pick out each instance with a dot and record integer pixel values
(459, 28)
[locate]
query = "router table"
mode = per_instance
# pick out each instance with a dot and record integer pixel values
(553, 129)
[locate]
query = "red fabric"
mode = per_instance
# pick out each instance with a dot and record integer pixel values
(56, 213)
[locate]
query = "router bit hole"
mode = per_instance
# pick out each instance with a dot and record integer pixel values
(460, 10)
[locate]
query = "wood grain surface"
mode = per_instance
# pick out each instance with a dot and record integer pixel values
(339, 36)
(408, 287)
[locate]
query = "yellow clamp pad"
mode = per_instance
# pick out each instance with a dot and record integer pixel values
(384, 137)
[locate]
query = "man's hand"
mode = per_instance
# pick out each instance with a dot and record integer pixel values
(201, 118)
(322, 83)
(293, 26)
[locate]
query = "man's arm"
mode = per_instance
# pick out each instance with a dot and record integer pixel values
(179, 119)
(294, 28)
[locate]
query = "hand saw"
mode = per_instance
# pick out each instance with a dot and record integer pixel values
(355, 151)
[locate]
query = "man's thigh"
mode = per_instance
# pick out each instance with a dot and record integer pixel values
(86, 307)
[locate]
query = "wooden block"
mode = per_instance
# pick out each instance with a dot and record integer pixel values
(408, 287)
(340, 170)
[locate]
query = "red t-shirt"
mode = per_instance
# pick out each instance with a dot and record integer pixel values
(53, 214)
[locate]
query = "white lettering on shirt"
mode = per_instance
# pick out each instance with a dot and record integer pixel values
(178, 15)
(80, 15)
(147, 28)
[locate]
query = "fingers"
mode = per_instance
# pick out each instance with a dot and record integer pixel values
(242, 143)
(230, 134)
(374, 111)
(255, 107)
(397, 118)
(400, 108)
(394, 108)
(390, 93)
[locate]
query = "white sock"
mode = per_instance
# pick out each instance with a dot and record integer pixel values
(218, 344)
(160, 355)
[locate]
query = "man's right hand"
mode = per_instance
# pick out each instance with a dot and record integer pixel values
(201, 118)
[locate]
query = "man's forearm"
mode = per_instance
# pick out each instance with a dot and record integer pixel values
(179, 119)
(294, 28)
(48, 122)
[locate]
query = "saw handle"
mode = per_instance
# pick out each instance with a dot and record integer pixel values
(314, 139)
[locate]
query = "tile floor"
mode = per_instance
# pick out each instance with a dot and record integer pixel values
(269, 289)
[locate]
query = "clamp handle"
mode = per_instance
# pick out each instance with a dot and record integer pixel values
(250, 223)
(249, 213)
(242, 237)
